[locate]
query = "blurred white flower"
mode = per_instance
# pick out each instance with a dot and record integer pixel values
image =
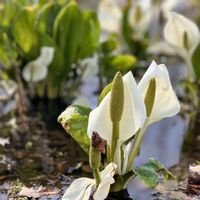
(139, 19)
(84, 188)
(37, 69)
(182, 34)
(109, 16)
(165, 103)
(90, 67)
(161, 48)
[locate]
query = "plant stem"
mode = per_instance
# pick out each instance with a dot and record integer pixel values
(97, 176)
(136, 146)
(115, 137)
(191, 68)
(108, 153)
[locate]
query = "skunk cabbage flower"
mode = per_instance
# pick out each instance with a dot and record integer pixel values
(83, 188)
(139, 19)
(133, 115)
(37, 69)
(165, 103)
(109, 16)
(182, 34)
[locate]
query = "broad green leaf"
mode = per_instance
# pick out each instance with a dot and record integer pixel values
(122, 62)
(46, 16)
(151, 172)
(196, 62)
(158, 167)
(119, 62)
(23, 30)
(105, 91)
(90, 34)
(75, 120)
(56, 68)
(67, 32)
(148, 175)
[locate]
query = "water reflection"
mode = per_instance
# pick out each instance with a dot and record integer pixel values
(163, 141)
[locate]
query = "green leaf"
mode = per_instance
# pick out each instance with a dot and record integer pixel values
(23, 30)
(105, 91)
(110, 45)
(56, 69)
(90, 34)
(75, 120)
(196, 62)
(119, 62)
(67, 32)
(46, 16)
(151, 172)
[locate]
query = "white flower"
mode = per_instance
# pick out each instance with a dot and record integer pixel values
(91, 67)
(109, 16)
(83, 188)
(182, 34)
(132, 118)
(37, 69)
(161, 48)
(166, 103)
(139, 19)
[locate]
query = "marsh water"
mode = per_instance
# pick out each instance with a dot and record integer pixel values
(40, 153)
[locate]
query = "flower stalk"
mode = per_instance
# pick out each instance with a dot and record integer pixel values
(149, 102)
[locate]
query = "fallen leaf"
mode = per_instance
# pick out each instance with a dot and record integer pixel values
(38, 192)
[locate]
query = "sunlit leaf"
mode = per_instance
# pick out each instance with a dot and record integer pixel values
(119, 62)
(46, 16)
(23, 30)
(75, 120)
(67, 32)
(90, 34)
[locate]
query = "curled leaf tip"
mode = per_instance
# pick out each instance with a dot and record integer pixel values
(98, 143)
(117, 98)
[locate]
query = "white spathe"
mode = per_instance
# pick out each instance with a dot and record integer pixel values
(139, 19)
(84, 188)
(37, 69)
(178, 25)
(109, 16)
(166, 103)
(133, 116)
